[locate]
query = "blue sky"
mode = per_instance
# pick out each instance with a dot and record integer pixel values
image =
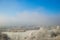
(51, 5)
(10, 9)
(13, 6)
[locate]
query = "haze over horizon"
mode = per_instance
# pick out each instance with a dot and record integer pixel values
(45, 12)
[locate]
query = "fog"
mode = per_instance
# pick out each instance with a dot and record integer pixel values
(33, 18)
(38, 16)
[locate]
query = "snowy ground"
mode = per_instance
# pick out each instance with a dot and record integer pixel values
(41, 34)
(19, 35)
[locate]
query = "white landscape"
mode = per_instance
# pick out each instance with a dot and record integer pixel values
(29, 19)
(41, 34)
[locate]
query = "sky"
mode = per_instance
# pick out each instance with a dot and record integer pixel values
(42, 12)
